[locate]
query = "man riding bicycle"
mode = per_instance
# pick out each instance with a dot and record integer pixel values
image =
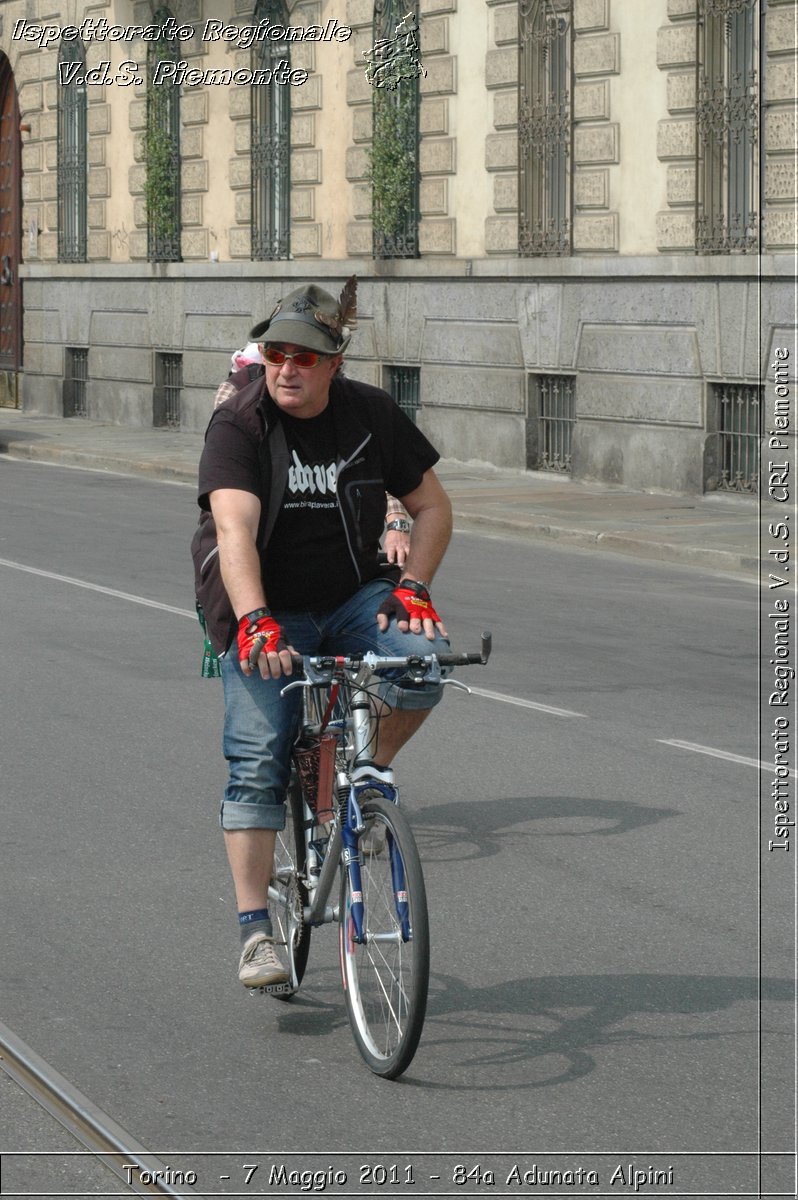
(294, 474)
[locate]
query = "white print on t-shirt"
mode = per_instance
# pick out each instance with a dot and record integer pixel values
(310, 479)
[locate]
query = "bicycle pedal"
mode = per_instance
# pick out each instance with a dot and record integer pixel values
(272, 989)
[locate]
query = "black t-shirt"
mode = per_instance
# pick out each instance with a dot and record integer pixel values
(307, 564)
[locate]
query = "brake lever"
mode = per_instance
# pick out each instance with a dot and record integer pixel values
(456, 683)
(298, 683)
(311, 676)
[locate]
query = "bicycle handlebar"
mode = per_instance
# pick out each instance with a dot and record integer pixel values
(313, 665)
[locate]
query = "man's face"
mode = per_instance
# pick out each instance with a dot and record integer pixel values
(300, 391)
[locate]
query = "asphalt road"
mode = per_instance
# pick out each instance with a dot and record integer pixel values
(593, 889)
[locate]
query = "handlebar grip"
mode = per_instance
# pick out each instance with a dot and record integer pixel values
(463, 660)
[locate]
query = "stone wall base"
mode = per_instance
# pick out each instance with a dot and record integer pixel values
(641, 353)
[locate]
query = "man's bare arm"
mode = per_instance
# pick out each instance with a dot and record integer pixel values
(431, 510)
(237, 515)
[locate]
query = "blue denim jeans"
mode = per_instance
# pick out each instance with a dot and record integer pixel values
(260, 724)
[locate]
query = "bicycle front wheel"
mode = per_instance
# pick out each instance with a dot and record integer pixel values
(287, 893)
(386, 978)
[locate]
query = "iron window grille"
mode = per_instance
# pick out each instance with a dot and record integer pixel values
(404, 384)
(727, 112)
(395, 142)
(550, 423)
(271, 144)
(166, 401)
(545, 127)
(72, 171)
(76, 374)
(162, 151)
(737, 415)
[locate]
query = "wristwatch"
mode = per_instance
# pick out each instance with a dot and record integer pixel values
(400, 525)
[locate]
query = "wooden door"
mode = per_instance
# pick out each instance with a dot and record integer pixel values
(10, 236)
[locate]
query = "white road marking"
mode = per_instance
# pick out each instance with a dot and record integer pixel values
(499, 696)
(713, 753)
(547, 708)
(96, 587)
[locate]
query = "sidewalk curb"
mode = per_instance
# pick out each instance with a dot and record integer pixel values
(617, 542)
(66, 457)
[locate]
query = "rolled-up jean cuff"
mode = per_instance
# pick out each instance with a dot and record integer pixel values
(407, 698)
(234, 815)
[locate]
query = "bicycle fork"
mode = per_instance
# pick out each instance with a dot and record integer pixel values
(351, 829)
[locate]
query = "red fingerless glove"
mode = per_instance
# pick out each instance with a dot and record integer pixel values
(258, 633)
(408, 600)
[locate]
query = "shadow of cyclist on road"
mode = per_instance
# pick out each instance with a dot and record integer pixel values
(551, 1028)
(458, 832)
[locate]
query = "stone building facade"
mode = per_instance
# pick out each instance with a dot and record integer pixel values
(619, 353)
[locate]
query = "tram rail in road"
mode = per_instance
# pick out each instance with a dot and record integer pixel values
(94, 1129)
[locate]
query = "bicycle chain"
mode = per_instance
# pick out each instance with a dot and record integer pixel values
(297, 908)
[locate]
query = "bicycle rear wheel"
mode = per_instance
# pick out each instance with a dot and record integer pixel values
(287, 893)
(386, 979)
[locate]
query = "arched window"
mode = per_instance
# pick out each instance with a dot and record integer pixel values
(72, 157)
(162, 148)
(393, 71)
(545, 127)
(271, 142)
(727, 114)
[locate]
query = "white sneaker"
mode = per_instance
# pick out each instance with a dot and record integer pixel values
(259, 965)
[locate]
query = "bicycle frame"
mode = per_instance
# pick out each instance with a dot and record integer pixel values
(320, 672)
(343, 845)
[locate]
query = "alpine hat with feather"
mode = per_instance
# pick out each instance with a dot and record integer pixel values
(312, 318)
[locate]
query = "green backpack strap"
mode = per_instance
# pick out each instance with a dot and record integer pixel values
(211, 667)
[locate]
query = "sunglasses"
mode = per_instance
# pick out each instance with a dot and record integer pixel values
(300, 358)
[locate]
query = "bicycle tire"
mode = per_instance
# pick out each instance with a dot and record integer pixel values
(286, 907)
(386, 982)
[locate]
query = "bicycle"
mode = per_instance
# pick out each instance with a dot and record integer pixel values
(382, 908)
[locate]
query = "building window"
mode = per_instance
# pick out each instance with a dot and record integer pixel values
(393, 71)
(72, 158)
(404, 384)
(168, 390)
(545, 127)
(736, 417)
(162, 148)
(271, 143)
(727, 118)
(76, 374)
(551, 416)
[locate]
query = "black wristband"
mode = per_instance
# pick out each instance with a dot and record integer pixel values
(255, 615)
(416, 586)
